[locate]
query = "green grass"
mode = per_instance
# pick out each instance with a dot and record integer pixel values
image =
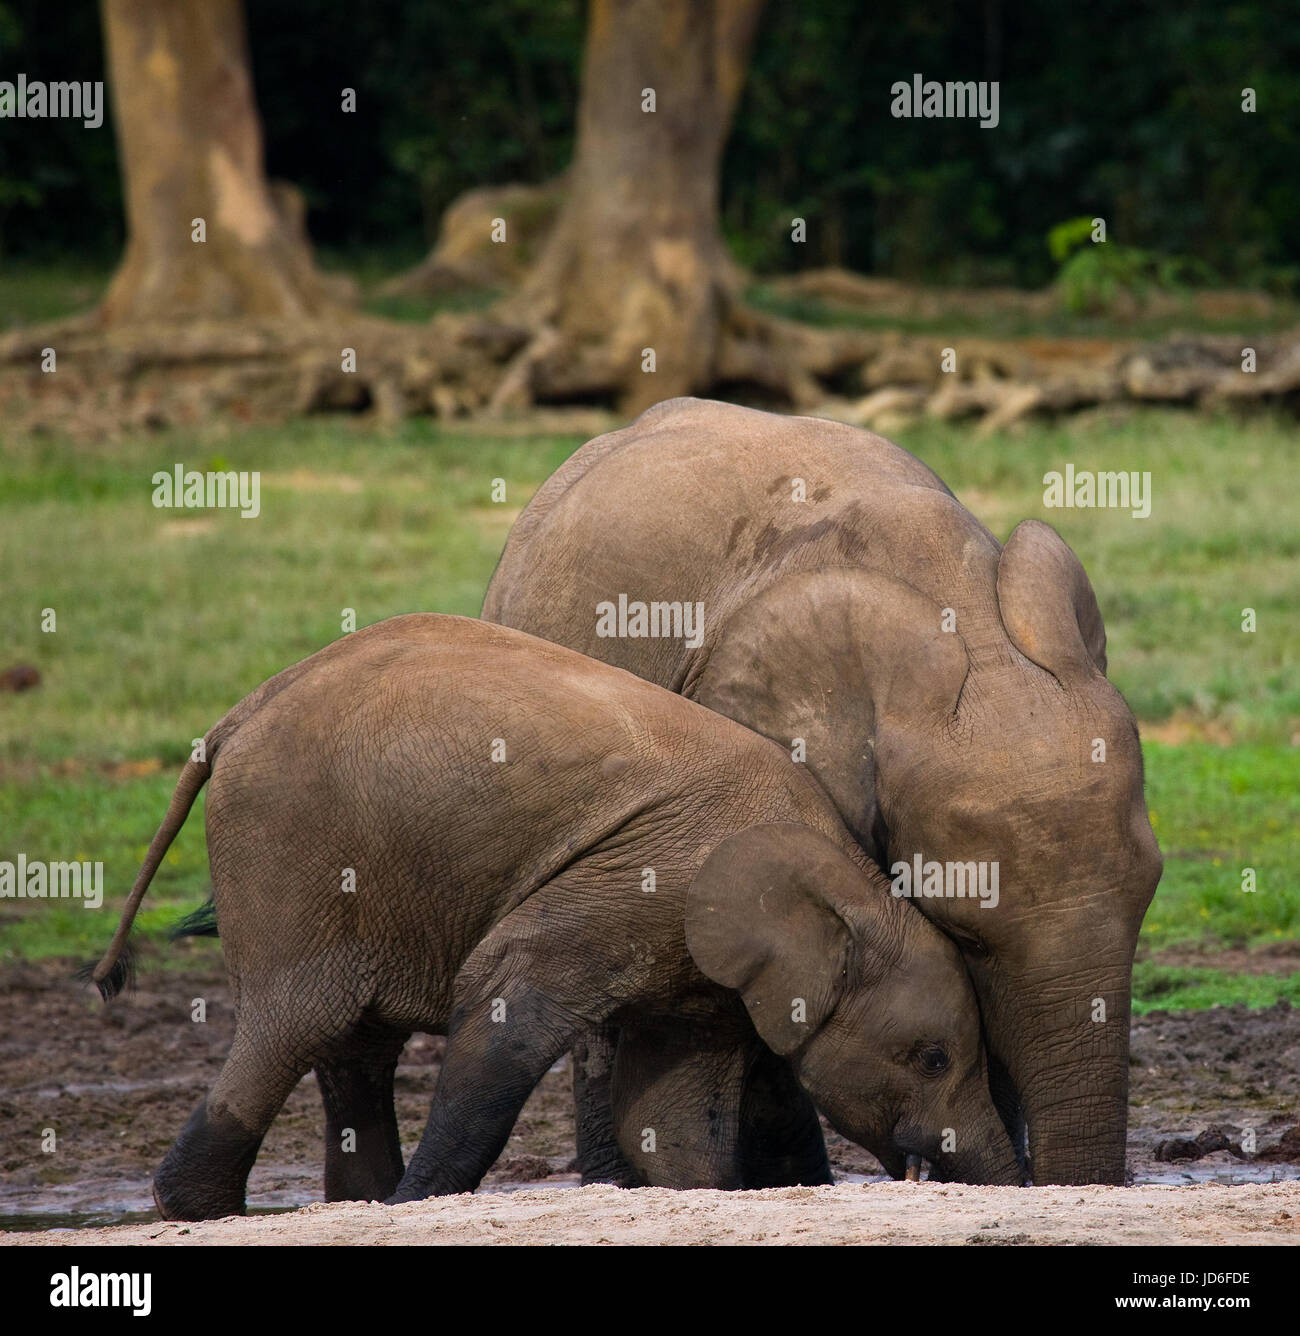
(167, 618)
(91, 817)
(1223, 535)
(1165, 988)
(1216, 812)
(31, 294)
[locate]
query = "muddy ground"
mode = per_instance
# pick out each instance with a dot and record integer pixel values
(116, 1084)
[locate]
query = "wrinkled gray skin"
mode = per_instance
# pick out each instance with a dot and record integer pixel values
(951, 693)
(504, 904)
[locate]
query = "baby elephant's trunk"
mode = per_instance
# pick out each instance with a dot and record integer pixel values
(112, 973)
(984, 1154)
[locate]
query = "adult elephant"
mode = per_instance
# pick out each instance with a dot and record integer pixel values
(947, 691)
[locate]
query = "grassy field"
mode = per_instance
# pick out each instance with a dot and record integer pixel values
(166, 618)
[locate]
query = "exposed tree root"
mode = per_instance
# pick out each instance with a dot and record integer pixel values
(78, 375)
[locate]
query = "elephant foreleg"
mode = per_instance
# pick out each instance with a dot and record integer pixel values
(599, 1157)
(781, 1142)
(499, 1046)
(676, 1095)
(520, 1002)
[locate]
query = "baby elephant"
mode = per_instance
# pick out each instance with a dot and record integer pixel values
(441, 825)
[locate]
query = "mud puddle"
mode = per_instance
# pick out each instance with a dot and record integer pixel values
(92, 1096)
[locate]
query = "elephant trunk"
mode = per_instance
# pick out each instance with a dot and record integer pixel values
(984, 1154)
(1080, 1136)
(1070, 1068)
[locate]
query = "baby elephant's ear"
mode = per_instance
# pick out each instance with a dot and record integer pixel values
(761, 918)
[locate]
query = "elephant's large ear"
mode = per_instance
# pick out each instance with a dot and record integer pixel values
(1047, 603)
(766, 916)
(831, 656)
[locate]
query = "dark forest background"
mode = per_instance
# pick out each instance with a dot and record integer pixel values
(1131, 112)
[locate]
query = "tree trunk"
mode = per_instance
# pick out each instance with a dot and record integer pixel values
(635, 266)
(191, 147)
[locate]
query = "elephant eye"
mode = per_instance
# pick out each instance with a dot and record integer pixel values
(931, 1059)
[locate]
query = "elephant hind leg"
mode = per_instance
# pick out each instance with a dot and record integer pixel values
(204, 1174)
(363, 1151)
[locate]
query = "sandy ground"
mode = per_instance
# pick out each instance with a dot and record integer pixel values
(116, 1084)
(844, 1214)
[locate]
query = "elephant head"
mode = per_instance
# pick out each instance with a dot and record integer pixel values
(981, 738)
(868, 1001)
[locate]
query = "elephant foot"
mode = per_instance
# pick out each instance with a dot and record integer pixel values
(202, 1177)
(172, 1207)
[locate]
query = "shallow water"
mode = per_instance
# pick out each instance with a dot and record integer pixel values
(33, 1222)
(31, 1212)
(1178, 1176)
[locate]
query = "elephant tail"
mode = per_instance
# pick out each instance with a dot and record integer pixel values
(114, 971)
(201, 923)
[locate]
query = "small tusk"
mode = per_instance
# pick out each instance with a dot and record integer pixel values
(912, 1173)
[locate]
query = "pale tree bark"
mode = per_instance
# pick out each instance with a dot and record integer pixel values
(635, 264)
(191, 146)
(466, 257)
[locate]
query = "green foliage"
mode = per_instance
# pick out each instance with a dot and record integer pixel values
(1094, 276)
(14, 193)
(1067, 237)
(1129, 112)
(1094, 272)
